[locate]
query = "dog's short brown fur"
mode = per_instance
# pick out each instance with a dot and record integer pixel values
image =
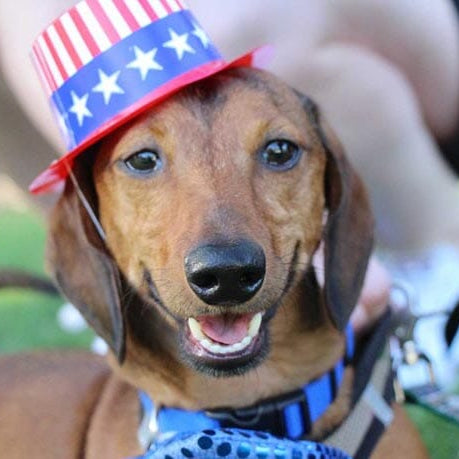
(133, 291)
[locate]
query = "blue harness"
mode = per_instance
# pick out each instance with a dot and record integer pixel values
(171, 433)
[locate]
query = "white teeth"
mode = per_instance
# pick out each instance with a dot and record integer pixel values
(195, 328)
(255, 323)
(216, 348)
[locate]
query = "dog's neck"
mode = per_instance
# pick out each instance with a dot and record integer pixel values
(197, 393)
(319, 347)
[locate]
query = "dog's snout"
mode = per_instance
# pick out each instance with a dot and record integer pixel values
(226, 273)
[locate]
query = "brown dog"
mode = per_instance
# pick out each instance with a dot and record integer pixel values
(212, 206)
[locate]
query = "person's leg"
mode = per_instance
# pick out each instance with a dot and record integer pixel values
(377, 116)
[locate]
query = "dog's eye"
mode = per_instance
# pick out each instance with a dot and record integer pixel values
(280, 155)
(144, 162)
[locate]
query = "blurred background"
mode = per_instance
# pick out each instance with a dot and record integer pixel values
(386, 75)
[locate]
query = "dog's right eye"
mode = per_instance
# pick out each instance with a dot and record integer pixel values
(280, 155)
(144, 162)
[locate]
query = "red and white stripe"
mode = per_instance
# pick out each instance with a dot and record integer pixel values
(90, 28)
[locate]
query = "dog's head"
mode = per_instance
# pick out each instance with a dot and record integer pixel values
(213, 205)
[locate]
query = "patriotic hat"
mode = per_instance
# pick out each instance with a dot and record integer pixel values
(104, 62)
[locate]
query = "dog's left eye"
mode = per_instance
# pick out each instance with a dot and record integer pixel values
(280, 155)
(144, 162)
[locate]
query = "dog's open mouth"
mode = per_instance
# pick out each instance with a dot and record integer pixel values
(226, 341)
(225, 334)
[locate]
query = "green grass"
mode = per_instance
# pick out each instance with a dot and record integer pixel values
(28, 320)
(22, 236)
(440, 436)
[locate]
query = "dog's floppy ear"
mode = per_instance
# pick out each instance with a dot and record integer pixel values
(82, 266)
(348, 233)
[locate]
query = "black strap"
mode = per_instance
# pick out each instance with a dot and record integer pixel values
(368, 351)
(376, 428)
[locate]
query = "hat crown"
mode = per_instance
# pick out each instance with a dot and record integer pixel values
(90, 28)
(102, 57)
(103, 62)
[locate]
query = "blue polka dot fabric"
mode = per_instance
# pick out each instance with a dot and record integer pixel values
(235, 443)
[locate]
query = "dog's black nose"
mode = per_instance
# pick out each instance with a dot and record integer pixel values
(226, 273)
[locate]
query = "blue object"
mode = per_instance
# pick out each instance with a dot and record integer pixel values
(236, 443)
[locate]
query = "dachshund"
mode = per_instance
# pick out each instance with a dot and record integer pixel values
(200, 276)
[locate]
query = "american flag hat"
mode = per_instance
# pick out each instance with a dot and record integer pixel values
(104, 62)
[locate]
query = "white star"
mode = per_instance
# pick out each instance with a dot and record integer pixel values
(199, 32)
(108, 85)
(179, 44)
(144, 61)
(79, 107)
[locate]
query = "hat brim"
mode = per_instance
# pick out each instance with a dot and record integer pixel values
(51, 179)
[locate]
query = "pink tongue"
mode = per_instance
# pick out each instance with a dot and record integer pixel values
(227, 329)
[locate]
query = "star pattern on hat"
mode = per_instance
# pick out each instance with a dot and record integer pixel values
(108, 85)
(201, 34)
(104, 66)
(137, 68)
(179, 43)
(79, 107)
(144, 61)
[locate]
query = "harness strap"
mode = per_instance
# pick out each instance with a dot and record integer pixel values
(369, 349)
(372, 396)
(372, 407)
